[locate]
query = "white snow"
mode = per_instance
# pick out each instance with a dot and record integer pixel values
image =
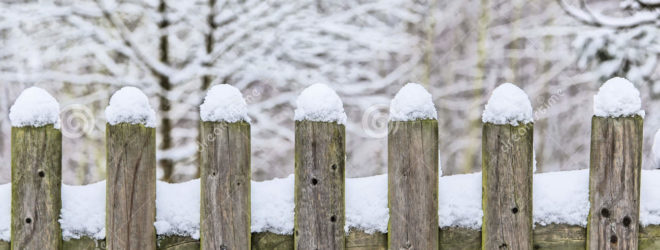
(83, 211)
(508, 105)
(130, 105)
(272, 205)
(366, 204)
(5, 212)
(320, 103)
(224, 103)
(561, 197)
(412, 102)
(617, 97)
(35, 107)
(655, 150)
(459, 201)
(649, 208)
(177, 208)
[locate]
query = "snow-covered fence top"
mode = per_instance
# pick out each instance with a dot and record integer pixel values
(317, 205)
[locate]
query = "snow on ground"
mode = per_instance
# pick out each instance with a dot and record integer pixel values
(320, 103)
(5, 212)
(366, 204)
(83, 211)
(224, 103)
(272, 205)
(649, 208)
(412, 102)
(459, 201)
(177, 208)
(617, 97)
(655, 150)
(34, 107)
(508, 105)
(559, 197)
(130, 105)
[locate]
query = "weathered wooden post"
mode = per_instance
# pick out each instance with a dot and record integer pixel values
(507, 169)
(225, 170)
(320, 152)
(36, 171)
(131, 171)
(616, 160)
(412, 147)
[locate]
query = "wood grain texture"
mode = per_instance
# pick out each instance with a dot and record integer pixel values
(413, 184)
(4, 245)
(36, 177)
(360, 240)
(320, 154)
(507, 168)
(225, 185)
(614, 182)
(84, 243)
(131, 187)
(180, 243)
(271, 241)
(649, 237)
(457, 238)
(560, 237)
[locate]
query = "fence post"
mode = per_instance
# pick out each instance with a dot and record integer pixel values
(131, 171)
(36, 172)
(319, 170)
(507, 170)
(615, 167)
(412, 147)
(225, 170)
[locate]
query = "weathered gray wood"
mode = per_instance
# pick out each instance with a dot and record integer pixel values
(560, 237)
(84, 243)
(4, 245)
(36, 177)
(320, 154)
(181, 243)
(131, 187)
(225, 180)
(413, 184)
(507, 158)
(614, 182)
(457, 238)
(359, 240)
(272, 241)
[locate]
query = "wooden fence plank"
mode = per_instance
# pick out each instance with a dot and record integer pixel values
(413, 184)
(4, 245)
(36, 177)
(131, 186)
(507, 168)
(614, 182)
(459, 238)
(359, 240)
(320, 154)
(225, 185)
(180, 243)
(271, 241)
(84, 243)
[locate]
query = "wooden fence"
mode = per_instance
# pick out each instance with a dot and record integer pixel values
(507, 161)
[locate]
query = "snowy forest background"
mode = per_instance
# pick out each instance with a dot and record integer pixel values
(559, 52)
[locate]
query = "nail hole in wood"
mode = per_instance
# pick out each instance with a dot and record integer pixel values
(334, 166)
(314, 181)
(605, 212)
(238, 184)
(514, 210)
(503, 246)
(28, 220)
(613, 239)
(333, 218)
(626, 221)
(297, 232)
(213, 174)
(41, 173)
(537, 246)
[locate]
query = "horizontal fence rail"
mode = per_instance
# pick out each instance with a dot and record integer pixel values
(320, 191)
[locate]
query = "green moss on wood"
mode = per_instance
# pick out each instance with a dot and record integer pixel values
(84, 243)
(178, 243)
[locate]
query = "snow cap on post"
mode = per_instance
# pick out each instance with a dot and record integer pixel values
(35, 107)
(224, 103)
(508, 105)
(130, 105)
(320, 103)
(412, 102)
(616, 98)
